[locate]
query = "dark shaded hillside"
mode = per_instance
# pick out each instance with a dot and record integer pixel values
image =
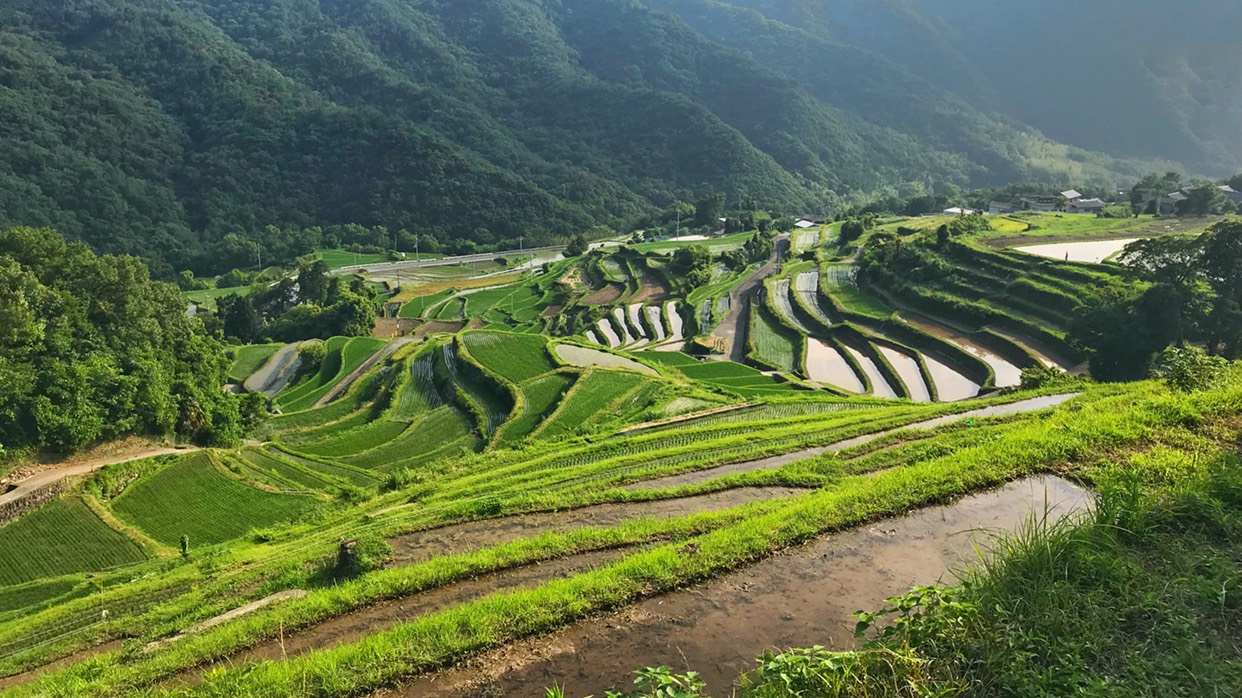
(159, 126)
(1133, 78)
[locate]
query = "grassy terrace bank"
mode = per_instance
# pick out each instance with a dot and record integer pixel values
(1122, 423)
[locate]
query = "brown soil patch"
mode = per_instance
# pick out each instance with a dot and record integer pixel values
(386, 327)
(434, 326)
(652, 288)
(410, 291)
(552, 310)
(604, 296)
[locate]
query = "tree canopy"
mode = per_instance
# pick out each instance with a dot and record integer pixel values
(92, 349)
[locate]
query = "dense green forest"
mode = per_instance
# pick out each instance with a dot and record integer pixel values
(163, 127)
(92, 349)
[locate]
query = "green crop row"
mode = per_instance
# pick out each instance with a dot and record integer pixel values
(594, 393)
(61, 537)
(192, 497)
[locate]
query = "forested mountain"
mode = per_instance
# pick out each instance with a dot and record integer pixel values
(159, 126)
(1134, 78)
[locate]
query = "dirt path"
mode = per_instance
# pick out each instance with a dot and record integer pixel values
(696, 476)
(732, 328)
(424, 545)
(381, 354)
(238, 612)
(273, 374)
(74, 658)
(55, 473)
(801, 598)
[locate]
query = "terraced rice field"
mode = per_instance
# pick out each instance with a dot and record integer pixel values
(1093, 252)
(191, 497)
(951, 386)
(773, 346)
(656, 320)
(781, 300)
(907, 369)
(626, 337)
(61, 537)
(515, 357)
(824, 364)
(676, 324)
(540, 398)
(583, 357)
(344, 356)
(595, 393)
(609, 334)
(634, 311)
(879, 385)
(806, 288)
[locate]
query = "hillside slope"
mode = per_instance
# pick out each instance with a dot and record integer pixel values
(160, 126)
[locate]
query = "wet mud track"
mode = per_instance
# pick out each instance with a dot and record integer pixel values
(801, 598)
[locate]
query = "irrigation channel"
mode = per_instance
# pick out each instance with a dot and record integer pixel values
(802, 598)
(697, 476)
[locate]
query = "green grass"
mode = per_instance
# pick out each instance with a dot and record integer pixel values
(515, 357)
(247, 360)
(344, 355)
(414, 308)
(451, 310)
(773, 345)
(193, 498)
(418, 393)
(61, 537)
(438, 429)
(1132, 601)
(207, 297)
(595, 392)
(346, 443)
(338, 258)
(285, 470)
(540, 397)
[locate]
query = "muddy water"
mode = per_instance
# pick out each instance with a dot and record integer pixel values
(798, 599)
(1037, 403)
(824, 364)
(605, 329)
(1007, 375)
(879, 386)
(951, 386)
(674, 320)
(619, 314)
(423, 545)
(1094, 252)
(908, 370)
(657, 322)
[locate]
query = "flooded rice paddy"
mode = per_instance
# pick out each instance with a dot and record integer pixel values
(806, 285)
(1007, 374)
(656, 321)
(907, 369)
(625, 336)
(879, 386)
(951, 386)
(1093, 252)
(583, 357)
(824, 364)
(674, 321)
(804, 597)
(605, 330)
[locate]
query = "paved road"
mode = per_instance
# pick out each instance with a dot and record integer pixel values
(733, 328)
(393, 267)
(273, 374)
(48, 477)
